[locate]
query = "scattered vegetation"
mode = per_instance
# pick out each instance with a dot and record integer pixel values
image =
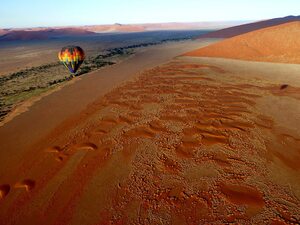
(22, 85)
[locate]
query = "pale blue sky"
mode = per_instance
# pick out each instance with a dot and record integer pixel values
(33, 13)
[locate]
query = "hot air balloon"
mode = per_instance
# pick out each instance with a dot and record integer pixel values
(72, 57)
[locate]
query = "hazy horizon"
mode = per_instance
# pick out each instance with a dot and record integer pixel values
(108, 24)
(33, 13)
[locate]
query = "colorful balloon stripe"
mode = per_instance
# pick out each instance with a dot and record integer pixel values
(72, 57)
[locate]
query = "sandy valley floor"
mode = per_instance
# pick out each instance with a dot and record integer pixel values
(193, 141)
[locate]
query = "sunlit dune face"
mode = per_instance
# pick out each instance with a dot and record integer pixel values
(259, 45)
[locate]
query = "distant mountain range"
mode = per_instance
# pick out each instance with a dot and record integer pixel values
(44, 33)
(245, 28)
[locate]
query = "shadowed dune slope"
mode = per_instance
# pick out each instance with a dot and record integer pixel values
(42, 34)
(273, 44)
(245, 28)
(3, 31)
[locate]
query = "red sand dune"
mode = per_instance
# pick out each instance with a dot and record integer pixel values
(114, 28)
(161, 26)
(242, 29)
(274, 44)
(3, 31)
(42, 34)
(158, 26)
(191, 26)
(23, 35)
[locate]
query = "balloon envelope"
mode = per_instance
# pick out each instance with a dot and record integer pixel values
(72, 57)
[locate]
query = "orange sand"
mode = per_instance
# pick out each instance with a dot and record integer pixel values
(245, 28)
(274, 44)
(188, 142)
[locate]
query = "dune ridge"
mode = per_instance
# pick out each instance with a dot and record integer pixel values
(274, 44)
(25, 35)
(245, 28)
